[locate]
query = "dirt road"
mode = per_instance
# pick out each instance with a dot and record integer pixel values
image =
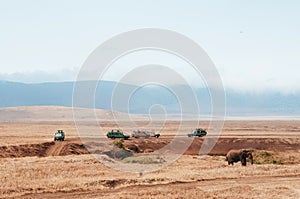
(55, 149)
(248, 187)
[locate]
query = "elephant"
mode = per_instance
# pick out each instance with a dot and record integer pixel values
(239, 155)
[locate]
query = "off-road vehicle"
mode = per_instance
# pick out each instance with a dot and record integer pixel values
(59, 135)
(117, 134)
(144, 134)
(198, 132)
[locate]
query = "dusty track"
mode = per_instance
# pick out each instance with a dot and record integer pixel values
(56, 148)
(201, 185)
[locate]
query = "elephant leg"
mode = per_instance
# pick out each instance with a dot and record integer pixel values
(243, 158)
(251, 158)
(244, 161)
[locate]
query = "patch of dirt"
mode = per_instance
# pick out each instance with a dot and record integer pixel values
(117, 153)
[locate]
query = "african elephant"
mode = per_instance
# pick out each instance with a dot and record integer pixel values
(239, 155)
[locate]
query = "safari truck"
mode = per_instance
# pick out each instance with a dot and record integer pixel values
(59, 135)
(117, 134)
(198, 132)
(144, 134)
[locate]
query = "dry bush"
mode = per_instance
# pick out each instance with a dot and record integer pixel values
(119, 143)
(275, 157)
(144, 160)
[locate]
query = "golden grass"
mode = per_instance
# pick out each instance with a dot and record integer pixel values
(68, 173)
(276, 157)
(144, 159)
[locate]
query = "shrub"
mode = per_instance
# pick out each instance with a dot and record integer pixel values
(119, 143)
(144, 160)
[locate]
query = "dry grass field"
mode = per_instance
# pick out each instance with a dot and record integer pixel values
(33, 166)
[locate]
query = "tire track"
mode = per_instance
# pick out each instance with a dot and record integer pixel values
(55, 149)
(173, 185)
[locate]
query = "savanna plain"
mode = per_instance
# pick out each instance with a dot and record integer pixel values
(32, 165)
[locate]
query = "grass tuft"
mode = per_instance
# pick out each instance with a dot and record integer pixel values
(144, 160)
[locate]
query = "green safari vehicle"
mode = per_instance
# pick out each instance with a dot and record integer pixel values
(117, 134)
(198, 132)
(59, 135)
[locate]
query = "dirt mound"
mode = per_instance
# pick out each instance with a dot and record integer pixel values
(25, 150)
(133, 148)
(222, 146)
(145, 145)
(43, 150)
(117, 153)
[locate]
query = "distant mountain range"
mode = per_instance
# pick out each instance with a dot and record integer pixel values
(61, 93)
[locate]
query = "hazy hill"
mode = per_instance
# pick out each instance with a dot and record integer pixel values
(58, 113)
(60, 94)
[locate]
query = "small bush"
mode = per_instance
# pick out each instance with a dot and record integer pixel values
(271, 157)
(265, 154)
(257, 162)
(119, 143)
(144, 160)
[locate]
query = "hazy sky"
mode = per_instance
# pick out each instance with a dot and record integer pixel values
(254, 44)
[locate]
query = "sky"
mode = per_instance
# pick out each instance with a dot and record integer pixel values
(255, 45)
